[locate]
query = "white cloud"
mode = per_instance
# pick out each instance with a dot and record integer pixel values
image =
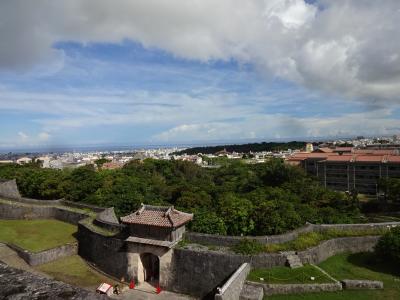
(25, 139)
(278, 126)
(347, 46)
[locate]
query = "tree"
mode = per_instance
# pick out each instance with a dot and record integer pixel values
(237, 214)
(206, 221)
(388, 246)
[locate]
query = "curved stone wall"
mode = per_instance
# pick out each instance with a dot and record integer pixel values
(328, 248)
(106, 253)
(16, 211)
(227, 241)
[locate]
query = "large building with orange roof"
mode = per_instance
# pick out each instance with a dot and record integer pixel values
(358, 169)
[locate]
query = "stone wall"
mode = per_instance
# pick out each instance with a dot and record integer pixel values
(106, 253)
(18, 284)
(109, 226)
(201, 272)
(68, 216)
(227, 241)
(277, 289)
(361, 284)
(328, 248)
(9, 189)
(82, 205)
(232, 289)
(45, 256)
(17, 211)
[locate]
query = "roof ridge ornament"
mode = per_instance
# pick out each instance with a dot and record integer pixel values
(141, 209)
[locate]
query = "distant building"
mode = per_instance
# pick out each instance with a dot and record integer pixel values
(112, 165)
(24, 160)
(6, 162)
(358, 170)
(44, 160)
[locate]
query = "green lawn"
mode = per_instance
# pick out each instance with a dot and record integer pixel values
(283, 275)
(356, 266)
(36, 235)
(75, 271)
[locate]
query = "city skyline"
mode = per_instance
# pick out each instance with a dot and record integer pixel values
(143, 73)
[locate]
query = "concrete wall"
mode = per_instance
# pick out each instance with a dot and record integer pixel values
(45, 256)
(9, 189)
(328, 248)
(232, 289)
(227, 241)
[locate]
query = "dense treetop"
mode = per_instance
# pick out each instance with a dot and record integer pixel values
(237, 198)
(245, 148)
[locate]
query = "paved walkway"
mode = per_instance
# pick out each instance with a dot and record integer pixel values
(147, 292)
(11, 258)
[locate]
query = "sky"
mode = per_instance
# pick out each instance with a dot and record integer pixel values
(154, 72)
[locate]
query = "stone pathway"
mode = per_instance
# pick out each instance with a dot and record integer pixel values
(11, 258)
(147, 292)
(292, 259)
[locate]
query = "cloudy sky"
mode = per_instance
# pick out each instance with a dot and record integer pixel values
(89, 72)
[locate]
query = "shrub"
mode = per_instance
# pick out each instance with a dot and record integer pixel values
(388, 246)
(247, 246)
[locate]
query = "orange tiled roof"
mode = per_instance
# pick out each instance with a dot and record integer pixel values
(393, 158)
(161, 216)
(374, 152)
(324, 150)
(341, 158)
(339, 149)
(350, 157)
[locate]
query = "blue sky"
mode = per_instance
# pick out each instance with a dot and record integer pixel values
(195, 83)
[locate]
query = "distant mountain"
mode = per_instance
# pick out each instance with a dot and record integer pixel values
(245, 148)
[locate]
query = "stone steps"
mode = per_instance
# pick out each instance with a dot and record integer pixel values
(292, 259)
(251, 292)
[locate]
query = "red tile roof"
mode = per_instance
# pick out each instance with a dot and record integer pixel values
(349, 157)
(161, 216)
(343, 149)
(323, 150)
(375, 152)
(393, 158)
(340, 158)
(370, 158)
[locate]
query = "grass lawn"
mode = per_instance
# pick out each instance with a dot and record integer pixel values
(36, 235)
(75, 271)
(356, 266)
(283, 275)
